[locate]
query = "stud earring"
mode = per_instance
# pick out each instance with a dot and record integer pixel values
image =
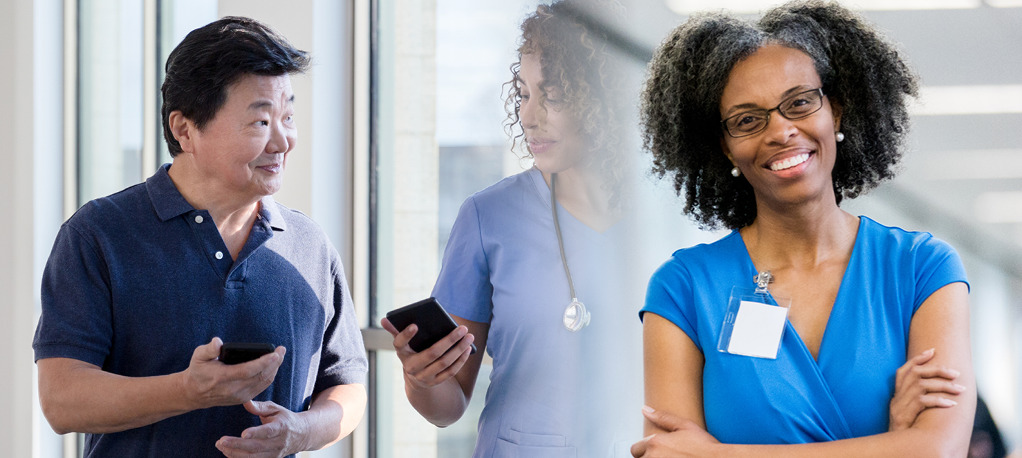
(840, 137)
(735, 172)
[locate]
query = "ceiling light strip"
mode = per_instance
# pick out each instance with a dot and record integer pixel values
(967, 100)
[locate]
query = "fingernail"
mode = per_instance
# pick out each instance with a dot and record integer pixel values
(930, 351)
(648, 410)
(647, 438)
(954, 373)
(947, 402)
(960, 387)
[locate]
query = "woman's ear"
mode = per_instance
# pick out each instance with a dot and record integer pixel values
(836, 109)
(727, 151)
(183, 129)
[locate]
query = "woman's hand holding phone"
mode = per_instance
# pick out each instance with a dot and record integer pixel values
(436, 357)
(435, 364)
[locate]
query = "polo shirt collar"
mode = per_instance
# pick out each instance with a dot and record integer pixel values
(169, 203)
(167, 200)
(270, 212)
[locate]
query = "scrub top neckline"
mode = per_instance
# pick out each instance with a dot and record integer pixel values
(544, 190)
(836, 307)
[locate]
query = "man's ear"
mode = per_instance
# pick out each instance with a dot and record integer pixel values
(183, 129)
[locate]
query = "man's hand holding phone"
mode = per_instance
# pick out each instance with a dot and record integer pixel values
(209, 382)
(441, 355)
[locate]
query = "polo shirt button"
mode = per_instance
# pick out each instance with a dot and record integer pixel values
(198, 219)
(219, 255)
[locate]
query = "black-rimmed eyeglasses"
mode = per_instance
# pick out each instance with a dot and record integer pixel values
(797, 106)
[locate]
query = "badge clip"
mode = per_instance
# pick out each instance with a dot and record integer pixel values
(763, 280)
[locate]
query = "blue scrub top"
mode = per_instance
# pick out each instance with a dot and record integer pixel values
(794, 398)
(552, 392)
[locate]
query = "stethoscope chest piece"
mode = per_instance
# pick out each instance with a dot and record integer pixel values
(576, 316)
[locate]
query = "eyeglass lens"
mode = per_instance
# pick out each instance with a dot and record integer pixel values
(795, 107)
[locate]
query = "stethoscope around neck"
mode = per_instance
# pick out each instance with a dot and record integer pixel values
(576, 316)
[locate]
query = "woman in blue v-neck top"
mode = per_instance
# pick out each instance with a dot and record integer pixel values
(766, 128)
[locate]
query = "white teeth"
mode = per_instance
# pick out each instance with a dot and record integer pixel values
(789, 162)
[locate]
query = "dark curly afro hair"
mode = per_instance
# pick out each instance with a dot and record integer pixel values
(680, 112)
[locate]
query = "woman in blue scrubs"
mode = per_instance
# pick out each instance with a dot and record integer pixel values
(539, 270)
(766, 128)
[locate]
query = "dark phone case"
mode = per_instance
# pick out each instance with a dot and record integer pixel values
(433, 321)
(241, 352)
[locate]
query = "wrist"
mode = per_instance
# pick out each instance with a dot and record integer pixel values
(308, 430)
(183, 393)
(306, 427)
(719, 450)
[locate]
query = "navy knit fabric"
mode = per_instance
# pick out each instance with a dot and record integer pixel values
(139, 279)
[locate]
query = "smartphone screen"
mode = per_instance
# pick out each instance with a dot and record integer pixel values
(241, 352)
(433, 321)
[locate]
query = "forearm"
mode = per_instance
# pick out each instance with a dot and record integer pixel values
(909, 442)
(334, 414)
(935, 433)
(441, 405)
(78, 397)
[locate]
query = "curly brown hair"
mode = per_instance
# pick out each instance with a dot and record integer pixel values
(576, 62)
(680, 112)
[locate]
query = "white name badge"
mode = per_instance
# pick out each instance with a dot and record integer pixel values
(754, 323)
(757, 330)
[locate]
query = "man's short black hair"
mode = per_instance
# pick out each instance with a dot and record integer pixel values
(202, 67)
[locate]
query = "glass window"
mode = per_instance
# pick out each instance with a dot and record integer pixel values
(439, 138)
(110, 71)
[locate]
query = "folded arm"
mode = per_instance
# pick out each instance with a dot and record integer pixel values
(674, 388)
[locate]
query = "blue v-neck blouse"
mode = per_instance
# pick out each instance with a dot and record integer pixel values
(796, 398)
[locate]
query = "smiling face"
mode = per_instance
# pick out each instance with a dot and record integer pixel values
(789, 162)
(551, 130)
(244, 148)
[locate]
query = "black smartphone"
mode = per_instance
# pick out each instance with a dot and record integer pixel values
(433, 321)
(241, 352)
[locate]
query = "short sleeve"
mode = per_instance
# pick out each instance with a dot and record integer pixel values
(343, 358)
(670, 295)
(76, 319)
(937, 264)
(463, 287)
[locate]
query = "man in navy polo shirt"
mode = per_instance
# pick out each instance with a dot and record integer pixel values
(143, 287)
